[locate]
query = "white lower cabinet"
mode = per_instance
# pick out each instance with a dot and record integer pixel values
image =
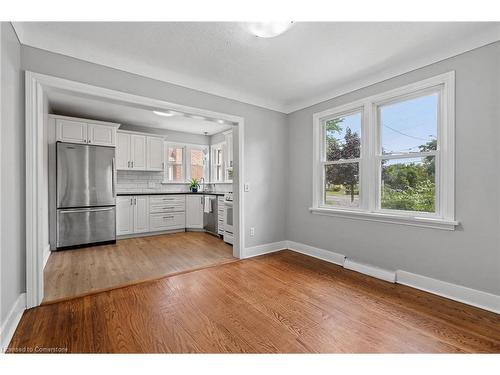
(124, 215)
(132, 214)
(220, 215)
(155, 213)
(194, 211)
(141, 214)
(167, 221)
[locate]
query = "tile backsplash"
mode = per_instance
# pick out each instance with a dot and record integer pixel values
(150, 182)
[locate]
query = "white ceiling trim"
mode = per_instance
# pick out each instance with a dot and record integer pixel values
(145, 70)
(165, 75)
(474, 42)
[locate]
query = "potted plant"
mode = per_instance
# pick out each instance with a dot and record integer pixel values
(195, 184)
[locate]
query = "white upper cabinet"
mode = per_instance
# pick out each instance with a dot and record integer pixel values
(123, 153)
(136, 151)
(74, 130)
(71, 131)
(194, 211)
(155, 154)
(101, 135)
(138, 148)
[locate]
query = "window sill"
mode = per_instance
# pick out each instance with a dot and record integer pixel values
(425, 222)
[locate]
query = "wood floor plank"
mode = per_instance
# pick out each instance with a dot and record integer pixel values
(279, 303)
(73, 273)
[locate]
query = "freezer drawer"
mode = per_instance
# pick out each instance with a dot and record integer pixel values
(82, 226)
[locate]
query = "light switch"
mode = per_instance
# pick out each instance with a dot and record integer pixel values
(246, 187)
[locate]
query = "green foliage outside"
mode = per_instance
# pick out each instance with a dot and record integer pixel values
(406, 185)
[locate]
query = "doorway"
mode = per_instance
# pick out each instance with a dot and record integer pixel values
(37, 206)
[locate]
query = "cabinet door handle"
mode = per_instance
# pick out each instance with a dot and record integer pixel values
(132, 162)
(90, 141)
(135, 201)
(131, 201)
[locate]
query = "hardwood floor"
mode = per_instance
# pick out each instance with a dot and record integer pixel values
(282, 302)
(79, 272)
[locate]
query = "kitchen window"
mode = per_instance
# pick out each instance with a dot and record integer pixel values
(217, 163)
(389, 157)
(198, 162)
(175, 163)
(186, 161)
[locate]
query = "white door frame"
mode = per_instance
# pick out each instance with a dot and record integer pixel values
(36, 86)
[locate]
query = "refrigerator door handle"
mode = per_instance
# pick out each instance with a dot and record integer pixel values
(76, 210)
(113, 177)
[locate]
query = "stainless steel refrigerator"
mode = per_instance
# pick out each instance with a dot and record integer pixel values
(85, 195)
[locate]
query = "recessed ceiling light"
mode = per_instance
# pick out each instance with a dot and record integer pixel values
(268, 29)
(221, 121)
(163, 113)
(196, 117)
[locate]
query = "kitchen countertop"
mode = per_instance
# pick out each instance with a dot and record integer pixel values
(171, 193)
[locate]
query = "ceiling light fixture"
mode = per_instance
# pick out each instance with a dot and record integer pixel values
(197, 117)
(221, 121)
(268, 29)
(163, 113)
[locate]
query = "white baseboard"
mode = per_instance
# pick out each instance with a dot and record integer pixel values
(473, 297)
(46, 254)
(316, 252)
(10, 324)
(370, 270)
(264, 249)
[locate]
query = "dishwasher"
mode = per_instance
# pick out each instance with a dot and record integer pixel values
(210, 212)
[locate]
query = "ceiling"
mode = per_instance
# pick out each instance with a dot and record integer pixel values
(311, 62)
(70, 104)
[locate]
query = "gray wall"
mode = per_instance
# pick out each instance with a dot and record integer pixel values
(468, 256)
(12, 186)
(265, 133)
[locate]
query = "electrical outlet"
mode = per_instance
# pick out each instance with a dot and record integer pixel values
(252, 231)
(246, 187)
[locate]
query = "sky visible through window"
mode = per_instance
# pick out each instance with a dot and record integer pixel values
(409, 124)
(351, 121)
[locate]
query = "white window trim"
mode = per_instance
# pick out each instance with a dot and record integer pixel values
(167, 163)
(213, 149)
(444, 218)
(186, 162)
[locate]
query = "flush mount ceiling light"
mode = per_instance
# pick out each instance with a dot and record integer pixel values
(197, 117)
(268, 29)
(164, 113)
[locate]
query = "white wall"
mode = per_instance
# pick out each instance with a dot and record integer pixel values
(265, 133)
(12, 203)
(468, 256)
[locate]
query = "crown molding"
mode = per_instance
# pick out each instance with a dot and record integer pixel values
(476, 41)
(142, 69)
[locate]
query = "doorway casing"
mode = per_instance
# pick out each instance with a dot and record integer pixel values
(36, 91)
